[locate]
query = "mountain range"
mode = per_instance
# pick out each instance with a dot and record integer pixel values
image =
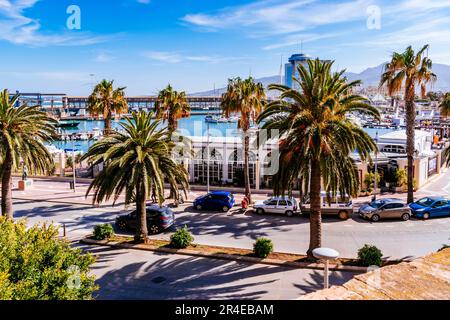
(369, 77)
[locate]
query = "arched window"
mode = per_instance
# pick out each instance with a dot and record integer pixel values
(236, 165)
(215, 164)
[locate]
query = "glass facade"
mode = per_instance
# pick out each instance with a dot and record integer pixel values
(236, 163)
(215, 166)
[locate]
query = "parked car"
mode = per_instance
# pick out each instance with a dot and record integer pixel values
(341, 206)
(158, 219)
(281, 205)
(215, 200)
(385, 209)
(430, 207)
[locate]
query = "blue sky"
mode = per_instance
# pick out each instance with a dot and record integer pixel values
(194, 44)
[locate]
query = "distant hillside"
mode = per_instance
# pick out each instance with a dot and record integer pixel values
(265, 81)
(370, 77)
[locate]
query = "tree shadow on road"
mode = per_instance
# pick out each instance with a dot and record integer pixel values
(196, 278)
(316, 280)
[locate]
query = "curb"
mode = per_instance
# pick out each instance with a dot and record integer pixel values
(223, 256)
(67, 202)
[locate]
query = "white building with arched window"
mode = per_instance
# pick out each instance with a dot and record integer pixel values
(226, 159)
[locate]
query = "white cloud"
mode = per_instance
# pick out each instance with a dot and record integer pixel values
(162, 56)
(272, 17)
(104, 57)
(432, 31)
(295, 39)
(17, 28)
(288, 22)
(176, 57)
(47, 75)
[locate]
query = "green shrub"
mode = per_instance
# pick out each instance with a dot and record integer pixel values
(103, 231)
(370, 256)
(181, 239)
(262, 247)
(37, 265)
(401, 178)
(369, 180)
(69, 162)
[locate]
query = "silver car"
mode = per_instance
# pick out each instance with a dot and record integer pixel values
(385, 209)
(281, 205)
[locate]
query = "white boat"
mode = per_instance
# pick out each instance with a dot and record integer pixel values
(233, 119)
(84, 136)
(53, 149)
(96, 133)
(211, 119)
(222, 120)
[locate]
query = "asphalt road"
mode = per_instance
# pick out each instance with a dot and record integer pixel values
(132, 274)
(142, 275)
(396, 239)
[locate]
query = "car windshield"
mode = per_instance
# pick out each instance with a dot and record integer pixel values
(377, 204)
(425, 202)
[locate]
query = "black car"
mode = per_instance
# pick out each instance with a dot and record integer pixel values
(158, 219)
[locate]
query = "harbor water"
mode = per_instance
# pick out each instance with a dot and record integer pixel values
(195, 125)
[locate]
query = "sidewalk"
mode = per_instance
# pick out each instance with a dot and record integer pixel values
(58, 190)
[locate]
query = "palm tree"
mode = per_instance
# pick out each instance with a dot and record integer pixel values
(246, 98)
(23, 131)
(408, 70)
(139, 161)
(105, 100)
(171, 106)
(445, 105)
(318, 137)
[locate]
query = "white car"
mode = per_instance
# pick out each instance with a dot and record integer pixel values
(280, 205)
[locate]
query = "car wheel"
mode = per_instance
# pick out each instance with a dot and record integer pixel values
(375, 218)
(289, 213)
(406, 217)
(426, 215)
(259, 211)
(154, 229)
(121, 225)
(198, 207)
(225, 209)
(343, 215)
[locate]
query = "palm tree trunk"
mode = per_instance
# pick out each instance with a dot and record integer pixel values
(141, 214)
(173, 125)
(315, 218)
(410, 136)
(107, 122)
(7, 210)
(246, 168)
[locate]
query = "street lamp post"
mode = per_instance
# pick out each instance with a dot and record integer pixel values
(73, 163)
(207, 158)
(376, 168)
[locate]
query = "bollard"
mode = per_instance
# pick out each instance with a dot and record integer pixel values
(64, 230)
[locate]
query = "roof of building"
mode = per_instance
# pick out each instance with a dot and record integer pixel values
(401, 135)
(378, 98)
(299, 57)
